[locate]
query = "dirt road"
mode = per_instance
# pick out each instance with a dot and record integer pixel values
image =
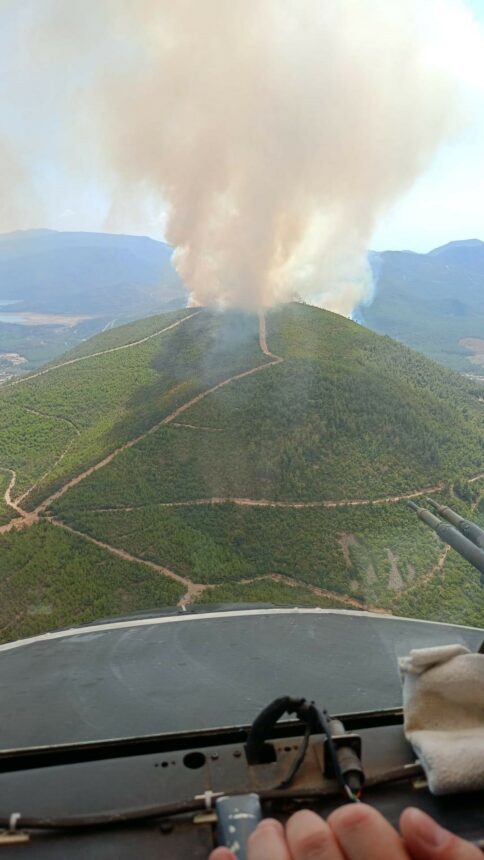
(345, 599)
(25, 519)
(21, 379)
(270, 503)
(168, 420)
(263, 339)
(192, 589)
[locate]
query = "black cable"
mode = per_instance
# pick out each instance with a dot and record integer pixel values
(324, 719)
(298, 760)
(263, 724)
(314, 719)
(307, 712)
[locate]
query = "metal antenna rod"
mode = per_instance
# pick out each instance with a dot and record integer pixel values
(451, 535)
(469, 529)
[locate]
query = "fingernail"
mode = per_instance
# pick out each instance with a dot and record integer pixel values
(427, 830)
(270, 822)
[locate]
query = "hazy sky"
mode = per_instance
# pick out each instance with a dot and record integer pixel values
(446, 202)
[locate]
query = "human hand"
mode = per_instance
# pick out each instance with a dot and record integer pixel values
(354, 832)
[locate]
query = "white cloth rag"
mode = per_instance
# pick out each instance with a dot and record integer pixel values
(443, 705)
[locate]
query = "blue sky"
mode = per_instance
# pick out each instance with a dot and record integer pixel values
(446, 203)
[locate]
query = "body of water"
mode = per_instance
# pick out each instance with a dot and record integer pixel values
(38, 319)
(5, 302)
(14, 318)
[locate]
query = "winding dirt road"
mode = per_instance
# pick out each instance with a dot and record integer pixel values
(427, 577)
(168, 420)
(59, 459)
(24, 518)
(476, 478)
(197, 427)
(95, 354)
(270, 503)
(345, 599)
(263, 339)
(8, 492)
(193, 590)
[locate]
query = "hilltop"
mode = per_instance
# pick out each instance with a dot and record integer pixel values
(206, 456)
(432, 302)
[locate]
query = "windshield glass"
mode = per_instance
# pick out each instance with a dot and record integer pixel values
(241, 329)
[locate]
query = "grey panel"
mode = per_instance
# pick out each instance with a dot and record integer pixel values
(197, 672)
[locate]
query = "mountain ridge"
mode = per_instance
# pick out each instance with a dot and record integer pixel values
(433, 302)
(63, 287)
(430, 301)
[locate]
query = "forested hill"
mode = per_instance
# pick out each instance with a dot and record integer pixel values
(206, 456)
(433, 302)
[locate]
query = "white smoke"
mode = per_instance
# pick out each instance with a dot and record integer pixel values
(275, 133)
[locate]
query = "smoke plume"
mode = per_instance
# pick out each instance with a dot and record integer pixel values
(275, 134)
(13, 188)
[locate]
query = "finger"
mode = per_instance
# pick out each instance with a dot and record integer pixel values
(427, 840)
(222, 853)
(362, 832)
(310, 838)
(268, 842)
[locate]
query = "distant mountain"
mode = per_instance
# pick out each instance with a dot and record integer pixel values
(433, 302)
(201, 456)
(108, 278)
(86, 273)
